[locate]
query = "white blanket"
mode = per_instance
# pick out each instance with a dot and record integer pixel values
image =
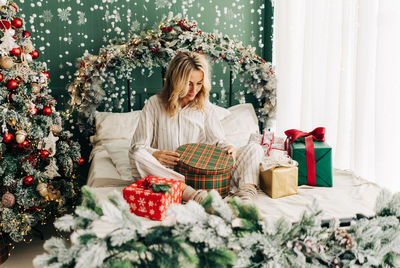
(348, 196)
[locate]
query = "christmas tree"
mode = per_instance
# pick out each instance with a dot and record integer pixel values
(38, 159)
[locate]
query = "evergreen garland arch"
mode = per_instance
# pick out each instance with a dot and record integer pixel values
(155, 48)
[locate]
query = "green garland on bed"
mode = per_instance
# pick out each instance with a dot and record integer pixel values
(155, 48)
(217, 234)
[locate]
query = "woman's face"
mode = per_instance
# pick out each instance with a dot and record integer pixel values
(194, 85)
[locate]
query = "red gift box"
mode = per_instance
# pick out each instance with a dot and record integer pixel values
(144, 202)
(269, 142)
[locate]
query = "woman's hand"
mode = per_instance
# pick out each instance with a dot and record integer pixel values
(167, 158)
(232, 151)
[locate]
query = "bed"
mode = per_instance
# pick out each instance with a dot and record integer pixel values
(110, 170)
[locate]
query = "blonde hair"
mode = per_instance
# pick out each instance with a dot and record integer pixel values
(177, 78)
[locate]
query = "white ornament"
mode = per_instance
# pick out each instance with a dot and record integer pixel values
(28, 57)
(51, 169)
(50, 143)
(8, 42)
(3, 2)
(20, 136)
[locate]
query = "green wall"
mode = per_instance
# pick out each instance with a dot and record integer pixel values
(63, 30)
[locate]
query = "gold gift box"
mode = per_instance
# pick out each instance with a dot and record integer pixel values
(279, 181)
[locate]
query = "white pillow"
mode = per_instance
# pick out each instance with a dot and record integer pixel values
(220, 111)
(114, 126)
(240, 124)
(119, 154)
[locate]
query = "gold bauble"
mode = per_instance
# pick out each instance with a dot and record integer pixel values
(35, 88)
(6, 62)
(56, 129)
(42, 189)
(93, 58)
(12, 122)
(20, 136)
(28, 48)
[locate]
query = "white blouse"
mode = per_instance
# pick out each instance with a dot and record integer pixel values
(156, 130)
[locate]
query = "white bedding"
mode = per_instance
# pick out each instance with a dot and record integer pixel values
(349, 195)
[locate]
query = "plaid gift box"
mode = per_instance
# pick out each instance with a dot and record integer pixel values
(144, 201)
(205, 167)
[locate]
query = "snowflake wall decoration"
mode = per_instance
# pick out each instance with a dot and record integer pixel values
(47, 16)
(63, 14)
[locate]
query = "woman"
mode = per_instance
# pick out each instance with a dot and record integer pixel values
(180, 114)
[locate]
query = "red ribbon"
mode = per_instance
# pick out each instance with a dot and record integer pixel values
(317, 134)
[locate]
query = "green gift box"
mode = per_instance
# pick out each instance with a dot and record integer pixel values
(323, 162)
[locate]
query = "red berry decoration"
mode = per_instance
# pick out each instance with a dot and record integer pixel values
(8, 138)
(44, 154)
(81, 161)
(35, 54)
(16, 23)
(12, 84)
(26, 34)
(28, 181)
(47, 111)
(47, 75)
(4, 25)
(16, 52)
(1, 77)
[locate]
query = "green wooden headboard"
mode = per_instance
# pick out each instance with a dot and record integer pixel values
(63, 30)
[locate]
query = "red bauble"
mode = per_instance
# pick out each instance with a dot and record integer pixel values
(12, 84)
(26, 34)
(33, 111)
(47, 111)
(16, 52)
(47, 75)
(4, 25)
(81, 161)
(1, 77)
(8, 138)
(35, 54)
(24, 144)
(28, 181)
(16, 23)
(44, 154)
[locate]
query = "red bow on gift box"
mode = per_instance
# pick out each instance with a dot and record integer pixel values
(317, 134)
(157, 188)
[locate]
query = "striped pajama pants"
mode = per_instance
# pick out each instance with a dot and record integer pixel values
(245, 171)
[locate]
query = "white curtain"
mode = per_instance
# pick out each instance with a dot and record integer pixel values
(338, 66)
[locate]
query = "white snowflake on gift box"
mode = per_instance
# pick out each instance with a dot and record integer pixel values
(81, 18)
(141, 202)
(151, 203)
(163, 4)
(47, 16)
(151, 212)
(133, 206)
(64, 13)
(135, 26)
(142, 209)
(132, 198)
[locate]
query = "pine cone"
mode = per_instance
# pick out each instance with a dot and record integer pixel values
(343, 237)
